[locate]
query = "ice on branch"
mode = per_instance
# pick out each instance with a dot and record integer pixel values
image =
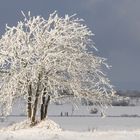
(41, 58)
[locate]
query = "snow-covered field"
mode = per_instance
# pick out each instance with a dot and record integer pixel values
(122, 123)
(39, 134)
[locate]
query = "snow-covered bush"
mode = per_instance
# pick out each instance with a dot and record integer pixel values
(121, 101)
(93, 111)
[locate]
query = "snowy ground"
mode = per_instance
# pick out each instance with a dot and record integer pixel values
(39, 134)
(87, 123)
(122, 123)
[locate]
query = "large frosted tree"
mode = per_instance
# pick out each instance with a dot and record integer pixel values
(50, 60)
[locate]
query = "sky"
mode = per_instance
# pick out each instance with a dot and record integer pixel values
(115, 23)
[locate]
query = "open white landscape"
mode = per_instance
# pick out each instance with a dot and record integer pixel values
(120, 124)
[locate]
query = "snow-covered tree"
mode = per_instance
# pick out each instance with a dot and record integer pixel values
(50, 60)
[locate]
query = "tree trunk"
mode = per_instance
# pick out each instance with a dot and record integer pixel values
(29, 105)
(46, 106)
(34, 109)
(43, 105)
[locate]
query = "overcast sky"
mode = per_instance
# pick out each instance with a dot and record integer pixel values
(115, 23)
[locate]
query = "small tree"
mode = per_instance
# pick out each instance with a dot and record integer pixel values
(44, 58)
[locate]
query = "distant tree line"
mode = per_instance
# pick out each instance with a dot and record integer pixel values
(128, 93)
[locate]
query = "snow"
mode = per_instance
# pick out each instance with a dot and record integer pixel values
(93, 127)
(97, 123)
(41, 134)
(20, 109)
(118, 118)
(85, 110)
(46, 124)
